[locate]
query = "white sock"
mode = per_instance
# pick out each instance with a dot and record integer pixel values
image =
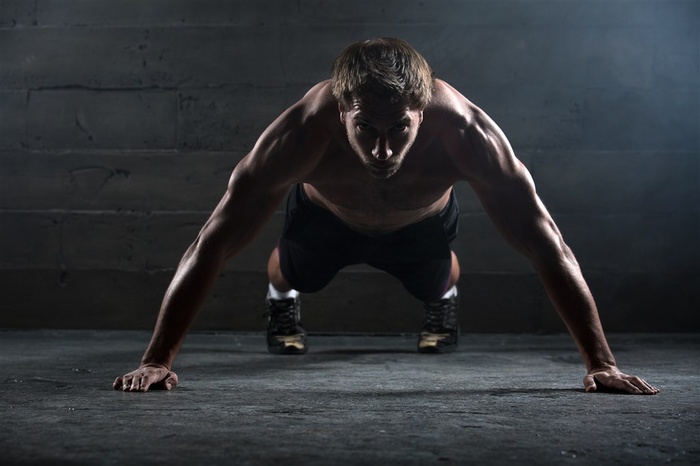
(450, 293)
(274, 293)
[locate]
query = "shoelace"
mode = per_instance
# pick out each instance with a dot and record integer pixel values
(283, 316)
(434, 318)
(440, 316)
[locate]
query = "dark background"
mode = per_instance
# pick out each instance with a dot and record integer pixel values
(121, 121)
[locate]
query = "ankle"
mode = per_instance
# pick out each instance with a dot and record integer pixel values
(452, 292)
(274, 293)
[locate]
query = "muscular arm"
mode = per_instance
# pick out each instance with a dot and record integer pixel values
(257, 186)
(244, 210)
(508, 195)
(516, 210)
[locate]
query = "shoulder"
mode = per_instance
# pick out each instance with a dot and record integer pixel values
(314, 107)
(452, 111)
(295, 141)
(306, 124)
(474, 142)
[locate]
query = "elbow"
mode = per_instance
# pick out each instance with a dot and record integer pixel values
(207, 248)
(222, 244)
(560, 257)
(554, 255)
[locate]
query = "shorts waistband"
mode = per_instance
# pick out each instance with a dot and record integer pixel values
(449, 214)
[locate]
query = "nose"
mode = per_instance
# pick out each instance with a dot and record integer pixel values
(381, 150)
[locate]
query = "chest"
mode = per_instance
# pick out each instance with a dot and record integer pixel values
(341, 179)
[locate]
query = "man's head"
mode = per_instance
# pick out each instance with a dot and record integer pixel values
(386, 68)
(382, 87)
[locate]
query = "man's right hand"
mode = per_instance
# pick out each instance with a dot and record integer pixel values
(154, 376)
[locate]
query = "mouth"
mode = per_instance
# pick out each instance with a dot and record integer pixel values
(382, 170)
(382, 165)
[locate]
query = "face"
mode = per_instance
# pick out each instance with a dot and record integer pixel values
(381, 133)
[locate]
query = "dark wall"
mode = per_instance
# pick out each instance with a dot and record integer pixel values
(121, 121)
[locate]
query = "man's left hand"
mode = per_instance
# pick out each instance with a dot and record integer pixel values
(611, 379)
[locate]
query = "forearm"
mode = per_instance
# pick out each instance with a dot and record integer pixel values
(574, 302)
(184, 299)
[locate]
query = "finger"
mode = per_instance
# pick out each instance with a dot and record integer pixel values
(589, 383)
(620, 384)
(171, 381)
(151, 380)
(644, 386)
(146, 381)
(135, 383)
(650, 388)
(653, 389)
(629, 387)
(117, 385)
(168, 383)
(126, 383)
(130, 383)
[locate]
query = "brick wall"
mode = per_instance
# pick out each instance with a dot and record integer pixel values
(121, 121)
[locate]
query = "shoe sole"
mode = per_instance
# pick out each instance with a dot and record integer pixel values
(436, 350)
(435, 347)
(287, 351)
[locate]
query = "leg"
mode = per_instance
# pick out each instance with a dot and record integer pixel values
(285, 335)
(433, 282)
(440, 323)
(299, 262)
(275, 274)
(454, 272)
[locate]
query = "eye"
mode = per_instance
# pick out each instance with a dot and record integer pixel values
(364, 127)
(401, 127)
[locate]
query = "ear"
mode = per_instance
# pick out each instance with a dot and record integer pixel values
(420, 118)
(342, 113)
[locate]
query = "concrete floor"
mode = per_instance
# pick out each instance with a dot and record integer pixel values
(351, 400)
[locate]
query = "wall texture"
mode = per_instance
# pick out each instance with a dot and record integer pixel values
(121, 121)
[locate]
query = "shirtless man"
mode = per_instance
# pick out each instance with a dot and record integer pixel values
(370, 158)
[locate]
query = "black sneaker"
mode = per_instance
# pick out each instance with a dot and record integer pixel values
(440, 326)
(285, 335)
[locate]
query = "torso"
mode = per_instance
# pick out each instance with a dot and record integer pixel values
(420, 189)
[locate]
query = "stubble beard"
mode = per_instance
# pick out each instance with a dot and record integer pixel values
(382, 173)
(376, 172)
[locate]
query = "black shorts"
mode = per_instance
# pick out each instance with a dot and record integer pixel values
(315, 245)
